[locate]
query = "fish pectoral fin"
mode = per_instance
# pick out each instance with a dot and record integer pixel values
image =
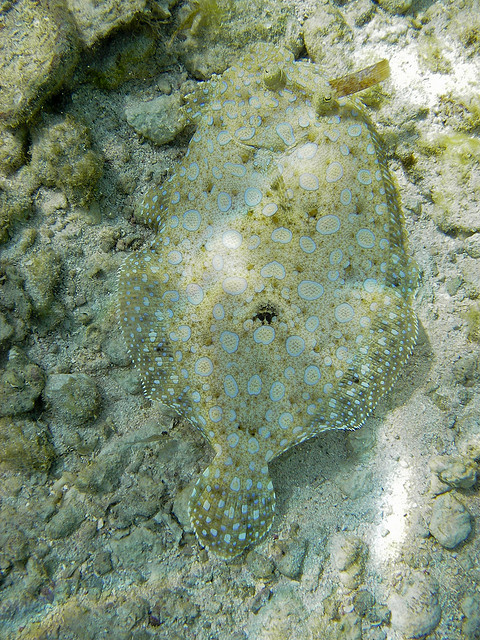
(230, 511)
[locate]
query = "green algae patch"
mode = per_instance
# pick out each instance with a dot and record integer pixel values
(472, 316)
(25, 445)
(431, 53)
(461, 112)
(63, 158)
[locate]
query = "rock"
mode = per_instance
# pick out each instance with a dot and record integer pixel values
(206, 46)
(450, 523)
(14, 545)
(414, 606)
(173, 604)
(467, 426)
(363, 602)
(39, 52)
(349, 555)
(25, 445)
(457, 160)
(67, 520)
(281, 614)
(12, 153)
(139, 503)
(259, 566)
(260, 600)
(472, 245)
(103, 474)
(466, 369)
(358, 484)
(125, 56)
(470, 607)
(21, 383)
(289, 557)
(159, 120)
(457, 472)
(395, 6)
(6, 329)
(63, 158)
(324, 33)
(72, 397)
(102, 562)
(41, 270)
(95, 20)
(350, 627)
(180, 508)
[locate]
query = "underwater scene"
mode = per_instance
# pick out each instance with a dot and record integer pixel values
(239, 319)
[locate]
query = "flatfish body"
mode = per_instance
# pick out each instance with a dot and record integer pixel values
(274, 302)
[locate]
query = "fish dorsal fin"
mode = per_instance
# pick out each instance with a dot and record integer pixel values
(360, 80)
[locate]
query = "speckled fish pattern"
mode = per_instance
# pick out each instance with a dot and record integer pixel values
(274, 303)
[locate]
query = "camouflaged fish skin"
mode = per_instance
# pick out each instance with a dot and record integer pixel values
(274, 302)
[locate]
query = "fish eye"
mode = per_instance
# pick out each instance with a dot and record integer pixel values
(274, 78)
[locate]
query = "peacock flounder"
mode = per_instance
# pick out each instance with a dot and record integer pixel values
(274, 302)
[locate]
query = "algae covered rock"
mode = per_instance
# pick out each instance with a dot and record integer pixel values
(25, 445)
(39, 52)
(62, 157)
(72, 397)
(159, 120)
(21, 383)
(15, 304)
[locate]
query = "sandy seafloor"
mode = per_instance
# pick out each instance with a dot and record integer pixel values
(99, 547)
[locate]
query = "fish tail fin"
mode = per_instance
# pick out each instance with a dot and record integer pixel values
(229, 511)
